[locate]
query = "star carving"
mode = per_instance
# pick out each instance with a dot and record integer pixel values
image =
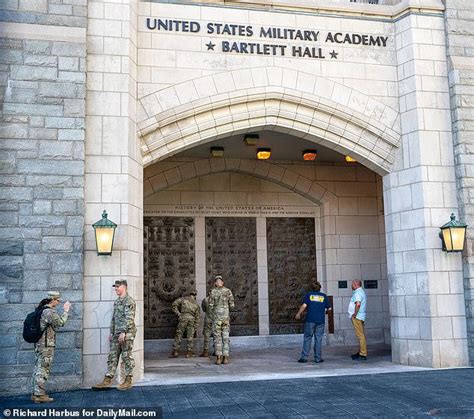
(210, 46)
(333, 54)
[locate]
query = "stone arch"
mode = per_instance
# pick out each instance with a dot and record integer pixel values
(271, 98)
(291, 180)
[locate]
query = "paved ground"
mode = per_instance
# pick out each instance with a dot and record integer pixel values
(266, 364)
(439, 393)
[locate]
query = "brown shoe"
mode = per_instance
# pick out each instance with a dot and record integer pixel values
(44, 398)
(189, 354)
(127, 384)
(106, 382)
(174, 354)
(219, 360)
(204, 354)
(225, 361)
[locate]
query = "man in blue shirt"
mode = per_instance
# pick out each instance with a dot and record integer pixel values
(357, 308)
(317, 304)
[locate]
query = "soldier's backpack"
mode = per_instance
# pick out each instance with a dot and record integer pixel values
(31, 326)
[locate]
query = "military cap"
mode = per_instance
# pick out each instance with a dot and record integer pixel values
(54, 295)
(218, 277)
(119, 282)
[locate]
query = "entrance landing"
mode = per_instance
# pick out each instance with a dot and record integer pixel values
(266, 364)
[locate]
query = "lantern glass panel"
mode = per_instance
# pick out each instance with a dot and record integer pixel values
(454, 238)
(104, 237)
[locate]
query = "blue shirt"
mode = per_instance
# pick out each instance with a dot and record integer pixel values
(317, 302)
(358, 295)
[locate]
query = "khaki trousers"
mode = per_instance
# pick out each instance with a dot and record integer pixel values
(359, 332)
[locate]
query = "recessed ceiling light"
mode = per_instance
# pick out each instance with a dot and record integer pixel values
(251, 139)
(217, 151)
(310, 155)
(264, 153)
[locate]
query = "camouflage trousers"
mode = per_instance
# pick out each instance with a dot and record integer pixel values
(207, 332)
(44, 361)
(118, 349)
(186, 325)
(221, 329)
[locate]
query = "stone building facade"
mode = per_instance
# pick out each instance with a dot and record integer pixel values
(114, 105)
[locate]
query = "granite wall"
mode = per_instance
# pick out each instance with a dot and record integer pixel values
(42, 90)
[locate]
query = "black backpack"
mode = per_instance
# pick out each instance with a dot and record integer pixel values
(31, 326)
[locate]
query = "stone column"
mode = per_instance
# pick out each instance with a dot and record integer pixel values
(262, 272)
(425, 283)
(114, 177)
(460, 38)
(200, 262)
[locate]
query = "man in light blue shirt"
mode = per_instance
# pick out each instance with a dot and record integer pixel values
(357, 309)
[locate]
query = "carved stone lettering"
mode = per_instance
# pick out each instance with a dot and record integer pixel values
(231, 250)
(168, 258)
(291, 268)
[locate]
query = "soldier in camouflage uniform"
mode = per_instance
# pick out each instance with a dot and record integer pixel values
(221, 301)
(189, 313)
(207, 329)
(122, 334)
(44, 349)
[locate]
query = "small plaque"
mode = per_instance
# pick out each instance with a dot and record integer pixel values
(372, 284)
(342, 284)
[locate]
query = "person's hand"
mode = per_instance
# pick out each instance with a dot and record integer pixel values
(353, 316)
(121, 338)
(110, 337)
(67, 306)
(298, 316)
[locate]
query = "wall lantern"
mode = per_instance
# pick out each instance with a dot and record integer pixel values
(310, 155)
(264, 153)
(350, 159)
(104, 230)
(453, 235)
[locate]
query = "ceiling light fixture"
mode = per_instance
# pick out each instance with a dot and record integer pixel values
(310, 155)
(264, 153)
(217, 151)
(251, 139)
(350, 159)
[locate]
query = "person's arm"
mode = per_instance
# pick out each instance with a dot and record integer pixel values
(356, 309)
(300, 311)
(328, 305)
(129, 311)
(231, 300)
(55, 320)
(174, 307)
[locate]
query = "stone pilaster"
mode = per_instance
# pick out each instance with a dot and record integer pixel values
(460, 38)
(425, 283)
(114, 176)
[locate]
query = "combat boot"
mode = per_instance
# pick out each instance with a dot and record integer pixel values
(127, 384)
(204, 354)
(106, 382)
(189, 354)
(44, 398)
(225, 361)
(219, 360)
(174, 354)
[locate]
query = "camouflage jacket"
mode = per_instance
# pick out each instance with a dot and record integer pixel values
(221, 301)
(186, 307)
(123, 318)
(50, 322)
(205, 307)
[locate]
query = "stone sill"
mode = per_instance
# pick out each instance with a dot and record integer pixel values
(329, 7)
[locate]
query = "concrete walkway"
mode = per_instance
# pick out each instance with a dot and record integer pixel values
(266, 364)
(419, 394)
